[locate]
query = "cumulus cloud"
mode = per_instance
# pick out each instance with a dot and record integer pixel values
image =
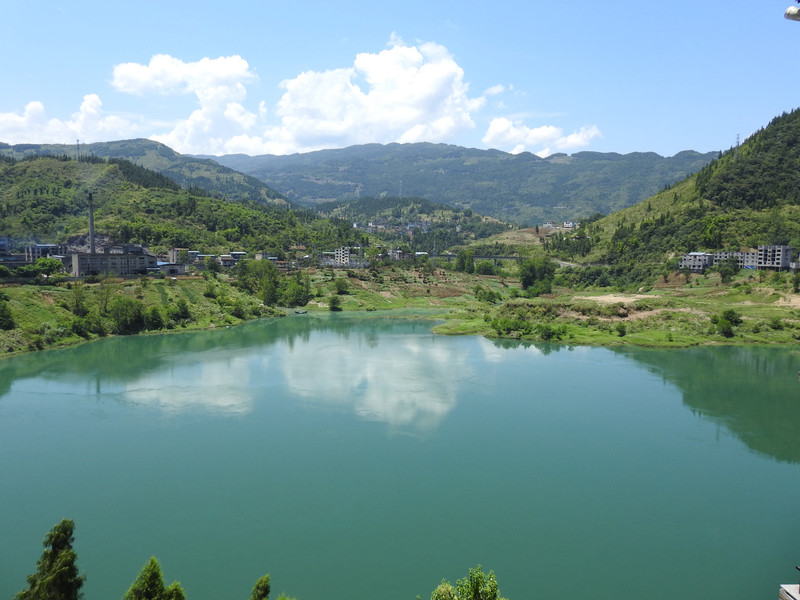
(517, 137)
(404, 93)
(89, 123)
(222, 77)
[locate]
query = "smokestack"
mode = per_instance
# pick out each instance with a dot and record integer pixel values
(91, 225)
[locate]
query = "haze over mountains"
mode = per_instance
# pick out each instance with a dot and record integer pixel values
(519, 188)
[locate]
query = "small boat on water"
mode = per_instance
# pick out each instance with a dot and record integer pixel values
(300, 312)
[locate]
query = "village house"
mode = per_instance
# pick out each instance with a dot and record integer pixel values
(777, 257)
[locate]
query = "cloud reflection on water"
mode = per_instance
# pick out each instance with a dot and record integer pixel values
(211, 385)
(409, 382)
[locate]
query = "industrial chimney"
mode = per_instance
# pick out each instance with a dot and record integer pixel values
(91, 225)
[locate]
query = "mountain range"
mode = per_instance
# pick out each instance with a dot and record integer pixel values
(518, 188)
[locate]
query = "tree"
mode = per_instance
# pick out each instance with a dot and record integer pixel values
(48, 266)
(444, 591)
(341, 285)
(56, 576)
(153, 319)
(335, 303)
(728, 268)
(149, 585)
(6, 318)
(537, 274)
(477, 586)
(128, 314)
(77, 300)
(261, 589)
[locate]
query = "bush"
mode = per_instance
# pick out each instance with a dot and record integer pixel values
(341, 286)
(335, 303)
(724, 327)
(6, 318)
(153, 319)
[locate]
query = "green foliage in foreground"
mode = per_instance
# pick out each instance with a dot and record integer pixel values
(149, 585)
(476, 586)
(56, 576)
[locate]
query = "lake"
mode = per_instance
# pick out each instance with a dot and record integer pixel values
(359, 456)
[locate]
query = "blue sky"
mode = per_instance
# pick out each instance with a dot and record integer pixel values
(280, 77)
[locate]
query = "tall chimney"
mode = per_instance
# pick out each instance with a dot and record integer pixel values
(91, 225)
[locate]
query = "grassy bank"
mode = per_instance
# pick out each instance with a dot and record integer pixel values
(760, 309)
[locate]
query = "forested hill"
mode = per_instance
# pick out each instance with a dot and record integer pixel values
(45, 199)
(186, 171)
(748, 197)
(520, 188)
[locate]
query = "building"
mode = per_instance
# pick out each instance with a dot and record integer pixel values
(129, 259)
(37, 251)
(226, 260)
(774, 257)
(767, 257)
(341, 257)
(696, 262)
(172, 268)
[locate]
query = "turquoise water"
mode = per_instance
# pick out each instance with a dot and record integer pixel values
(363, 457)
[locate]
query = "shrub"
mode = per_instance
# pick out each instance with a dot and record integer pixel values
(6, 318)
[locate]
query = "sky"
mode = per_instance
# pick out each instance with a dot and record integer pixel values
(263, 77)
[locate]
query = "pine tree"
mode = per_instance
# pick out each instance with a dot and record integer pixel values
(149, 585)
(56, 576)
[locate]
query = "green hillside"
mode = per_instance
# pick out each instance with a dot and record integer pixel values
(45, 199)
(747, 197)
(519, 188)
(188, 172)
(418, 223)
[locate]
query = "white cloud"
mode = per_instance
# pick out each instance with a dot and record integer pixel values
(494, 90)
(404, 93)
(89, 123)
(517, 137)
(209, 78)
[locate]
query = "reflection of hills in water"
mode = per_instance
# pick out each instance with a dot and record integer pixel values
(375, 367)
(754, 392)
(122, 358)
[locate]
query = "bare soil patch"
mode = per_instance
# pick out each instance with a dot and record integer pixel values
(613, 298)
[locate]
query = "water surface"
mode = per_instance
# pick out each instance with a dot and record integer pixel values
(363, 457)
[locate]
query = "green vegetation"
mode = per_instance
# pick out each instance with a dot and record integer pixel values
(56, 576)
(746, 198)
(519, 188)
(149, 585)
(45, 198)
(199, 176)
(476, 586)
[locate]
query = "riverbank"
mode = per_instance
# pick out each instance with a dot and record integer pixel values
(760, 309)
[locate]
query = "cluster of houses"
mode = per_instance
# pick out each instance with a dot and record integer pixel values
(381, 227)
(564, 225)
(766, 257)
(136, 259)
